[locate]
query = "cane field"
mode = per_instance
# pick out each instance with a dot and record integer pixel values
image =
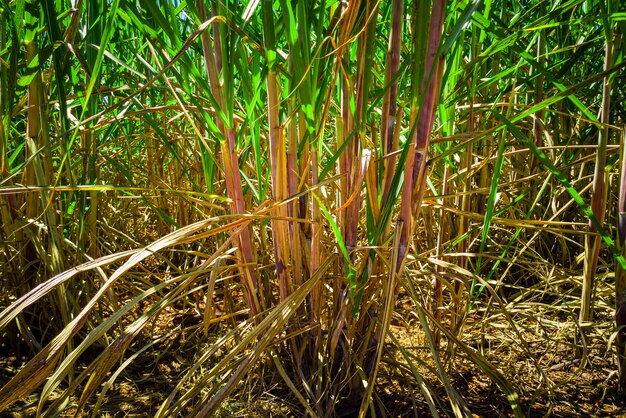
(312, 208)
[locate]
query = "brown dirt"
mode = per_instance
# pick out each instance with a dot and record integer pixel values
(564, 390)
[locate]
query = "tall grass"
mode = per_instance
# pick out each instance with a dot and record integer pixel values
(293, 174)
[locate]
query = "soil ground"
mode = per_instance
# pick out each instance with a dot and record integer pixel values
(545, 371)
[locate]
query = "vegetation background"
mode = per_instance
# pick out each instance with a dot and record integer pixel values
(323, 208)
